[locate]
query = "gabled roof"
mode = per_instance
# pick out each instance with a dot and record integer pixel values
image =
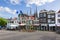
(44, 10)
(51, 11)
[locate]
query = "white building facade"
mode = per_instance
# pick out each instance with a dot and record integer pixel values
(58, 19)
(51, 20)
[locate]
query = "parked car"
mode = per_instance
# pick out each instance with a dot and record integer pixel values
(12, 26)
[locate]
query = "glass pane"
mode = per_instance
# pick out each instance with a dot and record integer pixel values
(59, 20)
(52, 16)
(49, 16)
(58, 15)
(49, 20)
(44, 15)
(52, 21)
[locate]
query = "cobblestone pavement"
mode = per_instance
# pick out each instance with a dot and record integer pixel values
(39, 35)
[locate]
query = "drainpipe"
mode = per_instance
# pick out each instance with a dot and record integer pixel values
(55, 27)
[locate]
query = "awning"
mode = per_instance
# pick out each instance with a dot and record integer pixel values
(52, 25)
(35, 24)
(43, 24)
(57, 24)
(22, 24)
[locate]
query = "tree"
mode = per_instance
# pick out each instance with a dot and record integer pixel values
(3, 22)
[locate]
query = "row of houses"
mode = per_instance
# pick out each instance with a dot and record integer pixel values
(28, 21)
(47, 20)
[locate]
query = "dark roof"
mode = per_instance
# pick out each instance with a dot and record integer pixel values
(23, 15)
(44, 10)
(51, 11)
(59, 11)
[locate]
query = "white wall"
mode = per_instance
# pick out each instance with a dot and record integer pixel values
(57, 23)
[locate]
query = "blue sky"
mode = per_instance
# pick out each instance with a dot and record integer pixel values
(8, 8)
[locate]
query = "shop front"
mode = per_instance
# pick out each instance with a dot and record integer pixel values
(36, 27)
(22, 26)
(43, 27)
(52, 27)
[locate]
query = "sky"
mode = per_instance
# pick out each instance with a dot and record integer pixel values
(8, 8)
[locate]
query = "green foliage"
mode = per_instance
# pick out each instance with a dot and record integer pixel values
(3, 22)
(31, 27)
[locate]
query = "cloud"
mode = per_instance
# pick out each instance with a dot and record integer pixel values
(30, 2)
(14, 2)
(50, 0)
(37, 2)
(6, 9)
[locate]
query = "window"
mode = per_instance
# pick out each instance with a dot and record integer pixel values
(41, 19)
(23, 22)
(40, 15)
(49, 16)
(52, 16)
(44, 15)
(30, 21)
(44, 20)
(11, 21)
(22, 18)
(36, 22)
(58, 15)
(58, 20)
(52, 21)
(49, 20)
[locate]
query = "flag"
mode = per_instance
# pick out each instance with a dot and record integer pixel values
(17, 12)
(21, 12)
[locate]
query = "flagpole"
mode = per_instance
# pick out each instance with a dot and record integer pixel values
(20, 16)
